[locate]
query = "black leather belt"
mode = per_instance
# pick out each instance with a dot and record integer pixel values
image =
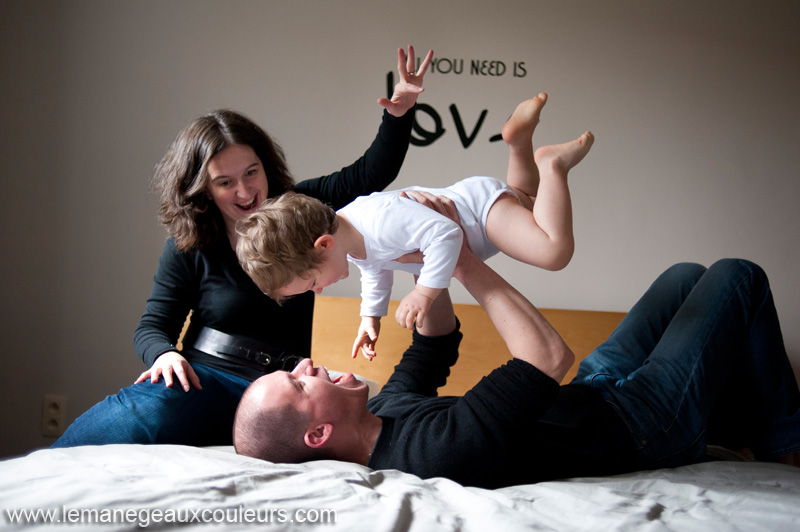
(234, 348)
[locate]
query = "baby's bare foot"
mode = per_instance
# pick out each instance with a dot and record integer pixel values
(519, 128)
(562, 157)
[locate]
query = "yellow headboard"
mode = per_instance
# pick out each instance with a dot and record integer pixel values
(336, 322)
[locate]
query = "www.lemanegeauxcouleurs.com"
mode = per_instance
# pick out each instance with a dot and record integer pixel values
(144, 517)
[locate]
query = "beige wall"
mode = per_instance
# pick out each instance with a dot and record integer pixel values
(694, 106)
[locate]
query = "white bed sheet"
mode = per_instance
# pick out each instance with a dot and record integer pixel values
(216, 485)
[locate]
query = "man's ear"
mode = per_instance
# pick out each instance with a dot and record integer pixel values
(317, 436)
(326, 241)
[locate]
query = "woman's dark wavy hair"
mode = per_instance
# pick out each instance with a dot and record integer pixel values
(181, 177)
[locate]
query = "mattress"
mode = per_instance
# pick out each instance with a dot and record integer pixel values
(135, 487)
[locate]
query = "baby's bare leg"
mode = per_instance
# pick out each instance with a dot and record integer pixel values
(517, 133)
(552, 210)
(542, 236)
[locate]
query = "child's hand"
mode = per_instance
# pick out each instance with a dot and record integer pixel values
(414, 307)
(410, 84)
(367, 337)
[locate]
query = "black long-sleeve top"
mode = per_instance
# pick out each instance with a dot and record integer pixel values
(212, 285)
(516, 426)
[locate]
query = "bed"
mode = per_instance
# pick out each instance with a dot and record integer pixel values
(130, 487)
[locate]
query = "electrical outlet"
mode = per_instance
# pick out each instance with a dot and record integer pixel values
(54, 415)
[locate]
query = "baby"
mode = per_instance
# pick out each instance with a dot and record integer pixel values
(294, 243)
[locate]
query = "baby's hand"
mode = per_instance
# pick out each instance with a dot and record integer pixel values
(367, 337)
(414, 307)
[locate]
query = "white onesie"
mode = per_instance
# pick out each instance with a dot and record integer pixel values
(393, 226)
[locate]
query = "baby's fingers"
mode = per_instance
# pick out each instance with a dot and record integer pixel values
(368, 351)
(361, 341)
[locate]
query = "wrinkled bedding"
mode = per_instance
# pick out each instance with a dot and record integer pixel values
(136, 487)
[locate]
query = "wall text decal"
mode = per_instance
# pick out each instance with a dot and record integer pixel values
(476, 67)
(425, 137)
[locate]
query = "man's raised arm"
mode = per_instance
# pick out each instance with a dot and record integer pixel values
(526, 332)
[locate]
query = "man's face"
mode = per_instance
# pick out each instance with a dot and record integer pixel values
(310, 389)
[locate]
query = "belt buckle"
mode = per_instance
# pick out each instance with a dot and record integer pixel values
(258, 357)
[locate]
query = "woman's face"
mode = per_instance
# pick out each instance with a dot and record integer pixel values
(237, 183)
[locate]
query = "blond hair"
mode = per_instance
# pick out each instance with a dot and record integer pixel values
(276, 242)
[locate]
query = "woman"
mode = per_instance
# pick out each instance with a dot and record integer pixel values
(217, 171)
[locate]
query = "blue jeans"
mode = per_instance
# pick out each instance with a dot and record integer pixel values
(700, 360)
(153, 413)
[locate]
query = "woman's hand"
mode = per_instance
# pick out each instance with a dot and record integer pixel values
(165, 365)
(367, 337)
(410, 84)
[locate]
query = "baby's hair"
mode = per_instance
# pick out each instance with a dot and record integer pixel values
(276, 242)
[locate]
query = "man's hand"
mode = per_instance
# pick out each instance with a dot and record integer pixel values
(410, 85)
(441, 204)
(367, 337)
(165, 365)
